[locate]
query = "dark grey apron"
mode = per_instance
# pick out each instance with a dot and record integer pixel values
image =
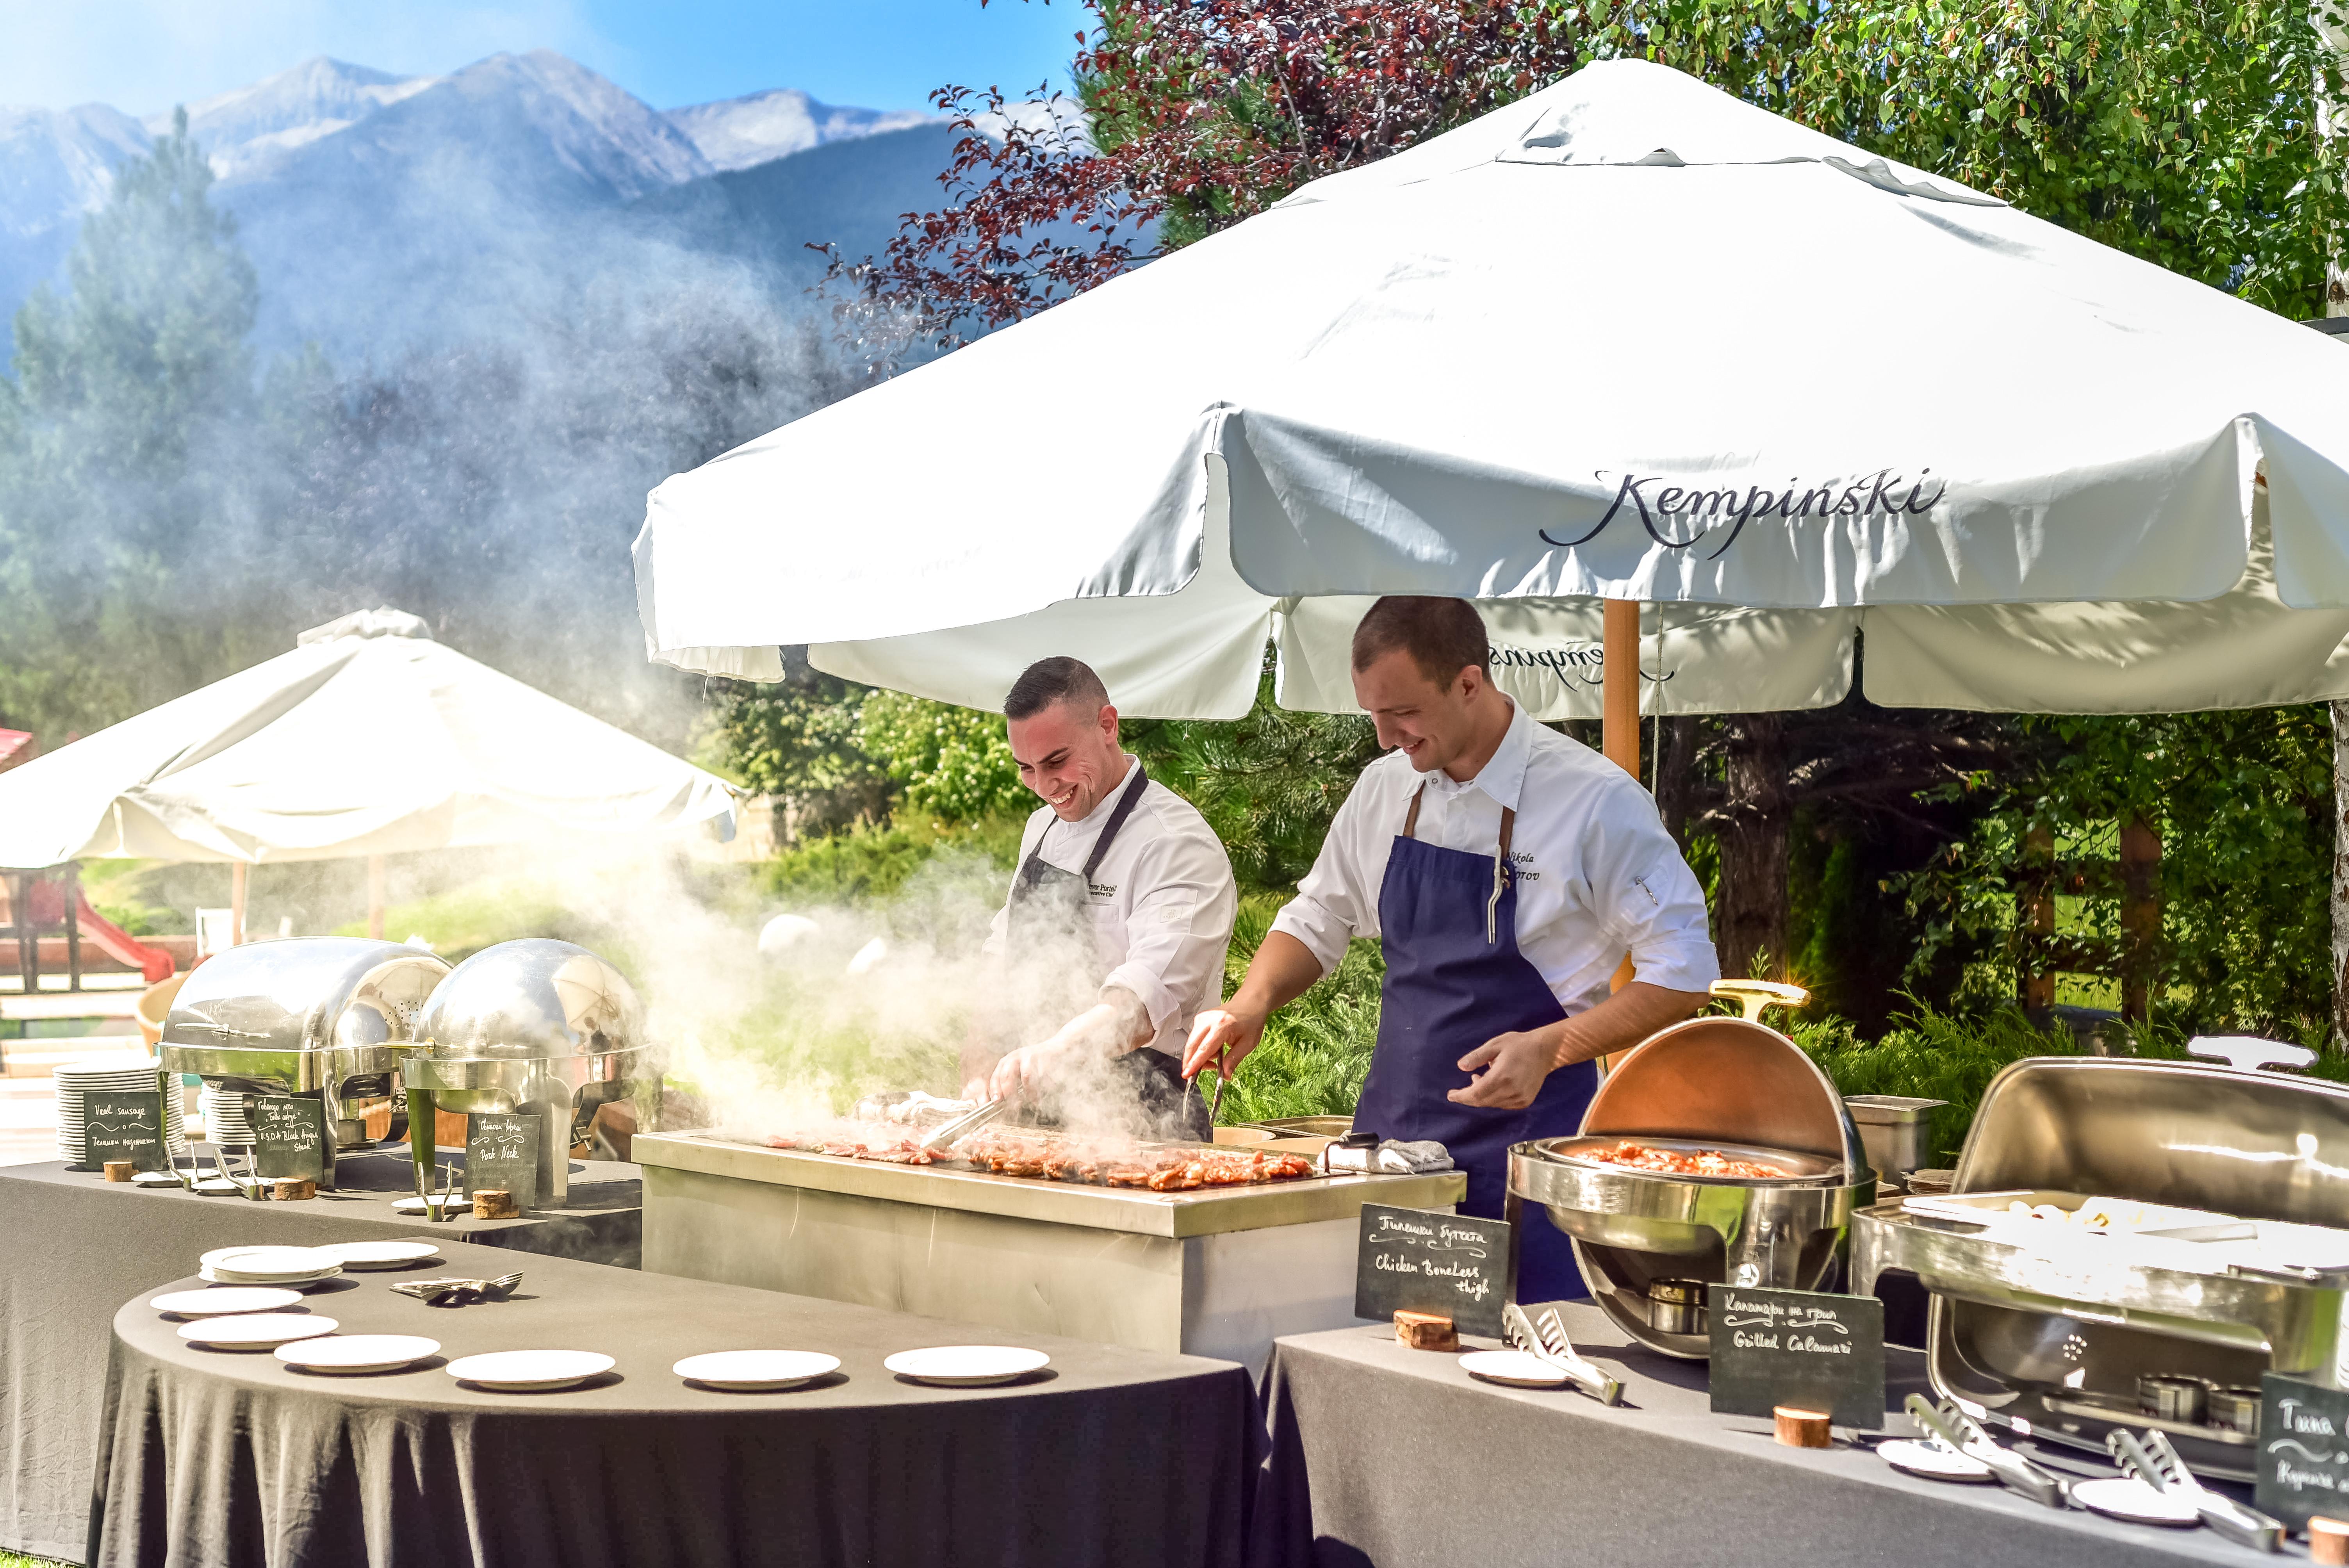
(1047, 898)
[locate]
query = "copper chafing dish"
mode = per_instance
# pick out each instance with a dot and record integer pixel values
(1710, 1086)
(2223, 1251)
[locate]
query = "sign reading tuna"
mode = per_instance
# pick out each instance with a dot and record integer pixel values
(1670, 508)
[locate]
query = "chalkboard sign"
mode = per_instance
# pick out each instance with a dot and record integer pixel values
(2304, 1460)
(502, 1151)
(1801, 1347)
(124, 1124)
(1412, 1260)
(289, 1136)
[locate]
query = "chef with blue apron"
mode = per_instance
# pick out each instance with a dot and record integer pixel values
(1506, 870)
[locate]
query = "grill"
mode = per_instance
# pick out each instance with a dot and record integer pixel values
(2227, 1256)
(1646, 1241)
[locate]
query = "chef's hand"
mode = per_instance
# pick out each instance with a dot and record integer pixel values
(1225, 1033)
(1506, 1071)
(1023, 1073)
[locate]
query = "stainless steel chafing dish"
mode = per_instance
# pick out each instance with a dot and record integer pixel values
(1646, 1241)
(325, 1016)
(2067, 1330)
(537, 1025)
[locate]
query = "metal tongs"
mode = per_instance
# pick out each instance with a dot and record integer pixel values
(1964, 1433)
(1544, 1339)
(946, 1134)
(2152, 1458)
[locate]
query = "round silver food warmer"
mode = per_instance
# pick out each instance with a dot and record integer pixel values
(329, 1018)
(534, 1026)
(1647, 1242)
(2067, 1336)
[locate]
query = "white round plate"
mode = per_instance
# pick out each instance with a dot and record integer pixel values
(229, 1301)
(269, 1259)
(966, 1366)
(521, 1371)
(209, 1276)
(754, 1369)
(2125, 1497)
(1517, 1368)
(1931, 1460)
(418, 1205)
(255, 1331)
(380, 1254)
(154, 1179)
(352, 1354)
(218, 1187)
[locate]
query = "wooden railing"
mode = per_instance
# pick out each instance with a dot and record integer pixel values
(2134, 958)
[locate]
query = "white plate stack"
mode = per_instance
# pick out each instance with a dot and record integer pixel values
(295, 1267)
(75, 1081)
(227, 1114)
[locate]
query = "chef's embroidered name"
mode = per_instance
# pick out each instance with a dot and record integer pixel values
(1668, 507)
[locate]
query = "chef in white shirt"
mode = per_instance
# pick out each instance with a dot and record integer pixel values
(1116, 854)
(1506, 870)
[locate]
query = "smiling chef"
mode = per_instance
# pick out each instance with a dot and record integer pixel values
(1506, 870)
(1114, 854)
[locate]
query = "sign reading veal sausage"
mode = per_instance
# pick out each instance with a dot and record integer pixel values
(124, 1124)
(1802, 1347)
(1415, 1260)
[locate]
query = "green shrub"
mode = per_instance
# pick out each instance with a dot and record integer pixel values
(868, 863)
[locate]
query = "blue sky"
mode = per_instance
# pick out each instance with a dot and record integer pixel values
(144, 54)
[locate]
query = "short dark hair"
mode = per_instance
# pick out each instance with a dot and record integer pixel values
(1443, 636)
(1048, 681)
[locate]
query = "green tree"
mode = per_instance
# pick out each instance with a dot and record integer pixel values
(954, 764)
(129, 425)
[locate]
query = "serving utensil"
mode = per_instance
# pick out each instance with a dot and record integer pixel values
(1545, 1338)
(948, 1133)
(2152, 1458)
(460, 1292)
(1964, 1433)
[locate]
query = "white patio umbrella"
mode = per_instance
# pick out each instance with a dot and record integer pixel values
(1628, 339)
(369, 738)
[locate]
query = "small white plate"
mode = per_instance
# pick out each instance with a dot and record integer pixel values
(419, 1206)
(269, 1259)
(755, 1370)
(380, 1254)
(228, 1301)
(154, 1179)
(1517, 1368)
(967, 1366)
(255, 1331)
(1931, 1460)
(524, 1371)
(218, 1187)
(2125, 1497)
(351, 1354)
(211, 1276)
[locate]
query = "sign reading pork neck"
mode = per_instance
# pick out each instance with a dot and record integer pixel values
(1417, 1260)
(1800, 1347)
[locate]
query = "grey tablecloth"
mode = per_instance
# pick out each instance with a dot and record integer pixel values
(1398, 1458)
(73, 1247)
(1112, 1456)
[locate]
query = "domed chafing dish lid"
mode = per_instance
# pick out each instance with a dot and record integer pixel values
(1726, 1081)
(303, 994)
(533, 998)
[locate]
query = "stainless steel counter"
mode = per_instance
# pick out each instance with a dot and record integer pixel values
(1216, 1272)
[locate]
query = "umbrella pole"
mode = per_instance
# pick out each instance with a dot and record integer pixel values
(375, 897)
(1619, 708)
(236, 869)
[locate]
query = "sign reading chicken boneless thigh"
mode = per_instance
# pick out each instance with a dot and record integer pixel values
(1416, 1259)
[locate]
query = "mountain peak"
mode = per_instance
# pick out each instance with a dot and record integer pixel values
(250, 127)
(735, 133)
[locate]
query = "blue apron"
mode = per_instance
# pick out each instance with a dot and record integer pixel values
(1454, 979)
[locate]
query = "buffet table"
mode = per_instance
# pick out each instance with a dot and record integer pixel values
(79, 1245)
(1386, 1456)
(1107, 1456)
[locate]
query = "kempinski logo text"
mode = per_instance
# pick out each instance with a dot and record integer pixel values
(1667, 506)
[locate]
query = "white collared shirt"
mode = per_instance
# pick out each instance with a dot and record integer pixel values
(1162, 901)
(1597, 875)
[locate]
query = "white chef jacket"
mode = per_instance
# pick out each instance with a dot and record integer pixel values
(1597, 875)
(1162, 901)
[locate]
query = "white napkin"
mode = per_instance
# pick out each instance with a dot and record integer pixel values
(1393, 1157)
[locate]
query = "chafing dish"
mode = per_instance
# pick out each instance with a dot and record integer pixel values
(1710, 1084)
(2056, 1326)
(534, 1026)
(325, 1016)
